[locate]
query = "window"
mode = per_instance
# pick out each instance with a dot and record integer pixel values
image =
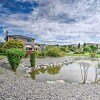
(14, 38)
(28, 48)
(29, 40)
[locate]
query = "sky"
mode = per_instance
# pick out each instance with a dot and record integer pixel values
(52, 21)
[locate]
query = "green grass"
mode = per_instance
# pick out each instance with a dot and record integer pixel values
(86, 55)
(97, 55)
(68, 54)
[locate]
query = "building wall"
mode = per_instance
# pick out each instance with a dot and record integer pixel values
(24, 40)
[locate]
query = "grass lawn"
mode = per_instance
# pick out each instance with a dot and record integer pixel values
(68, 54)
(86, 55)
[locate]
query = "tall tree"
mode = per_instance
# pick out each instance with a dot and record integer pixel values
(6, 35)
(79, 45)
(84, 44)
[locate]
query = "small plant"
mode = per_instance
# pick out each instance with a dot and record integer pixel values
(14, 57)
(92, 55)
(32, 59)
(42, 54)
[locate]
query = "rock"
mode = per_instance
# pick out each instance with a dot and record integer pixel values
(55, 82)
(28, 70)
(51, 82)
(60, 81)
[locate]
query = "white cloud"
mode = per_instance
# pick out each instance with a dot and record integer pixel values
(51, 19)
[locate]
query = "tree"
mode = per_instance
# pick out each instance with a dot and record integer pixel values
(84, 66)
(86, 49)
(6, 35)
(14, 57)
(93, 48)
(79, 45)
(13, 44)
(32, 59)
(84, 44)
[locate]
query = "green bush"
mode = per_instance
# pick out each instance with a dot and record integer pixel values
(14, 56)
(98, 52)
(37, 53)
(42, 54)
(12, 44)
(92, 55)
(54, 52)
(78, 51)
(86, 49)
(32, 59)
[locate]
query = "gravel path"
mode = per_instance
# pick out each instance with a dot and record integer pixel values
(16, 87)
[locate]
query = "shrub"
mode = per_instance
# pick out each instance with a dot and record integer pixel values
(78, 51)
(32, 59)
(98, 52)
(54, 52)
(12, 44)
(14, 56)
(86, 49)
(42, 54)
(92, 55)
(36, 53)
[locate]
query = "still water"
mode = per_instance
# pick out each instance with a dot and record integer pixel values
(69, 73)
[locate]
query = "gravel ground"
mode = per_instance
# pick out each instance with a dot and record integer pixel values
(16, 87)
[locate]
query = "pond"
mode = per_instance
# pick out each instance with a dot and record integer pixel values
(69, 73)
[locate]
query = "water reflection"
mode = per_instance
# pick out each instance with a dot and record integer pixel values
(75, 72)
(50, 70)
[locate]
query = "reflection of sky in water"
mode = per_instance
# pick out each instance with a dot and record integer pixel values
(68, 73)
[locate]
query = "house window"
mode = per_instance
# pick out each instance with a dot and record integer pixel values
(29, 40)
(28, 48)
(14, 38)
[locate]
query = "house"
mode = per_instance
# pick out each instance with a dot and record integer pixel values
(42, 47)
(29, 44)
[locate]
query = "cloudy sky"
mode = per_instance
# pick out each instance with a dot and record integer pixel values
(52, 21)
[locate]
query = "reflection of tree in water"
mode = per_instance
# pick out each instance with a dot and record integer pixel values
(50, 70)
(54, 70)
(33, 73)
(43, 70)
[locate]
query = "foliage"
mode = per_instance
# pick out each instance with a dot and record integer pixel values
(14, 56)
(37, 53)
(64, 49)
(54, 70)
(98, 52)
(92, 55)
(71, 48)
(32, 59)
(78, 51)
(12, 44)
(86, 49)
(84, 45)
(79, 45)
(93, 48)
(42, 54)
(54, 52)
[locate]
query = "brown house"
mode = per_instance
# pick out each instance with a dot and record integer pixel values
(29, 44)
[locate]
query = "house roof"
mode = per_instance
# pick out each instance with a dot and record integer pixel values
(20, 36)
